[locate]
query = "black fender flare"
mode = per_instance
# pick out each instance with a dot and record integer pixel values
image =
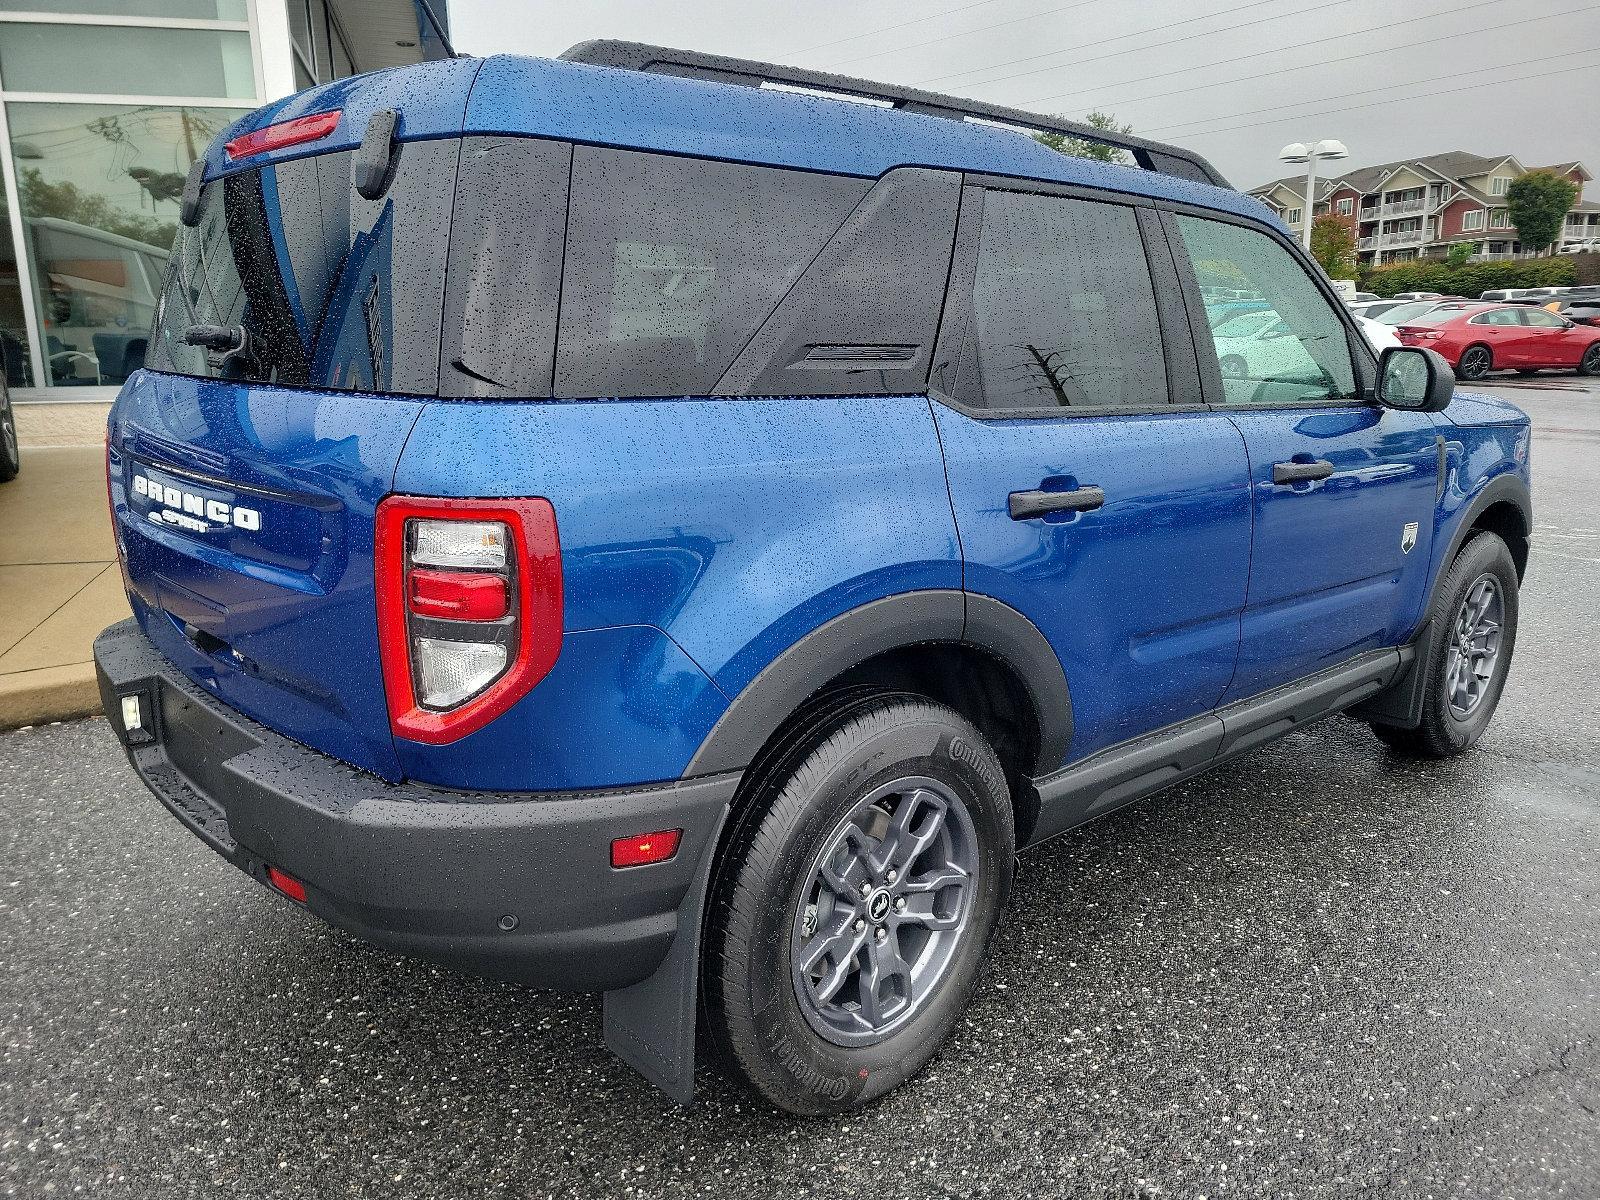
(1507, 487)
(877, 627)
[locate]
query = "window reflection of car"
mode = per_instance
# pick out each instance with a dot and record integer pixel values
(100, 299)
(1258, 345)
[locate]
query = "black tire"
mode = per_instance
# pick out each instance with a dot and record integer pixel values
(1589, 364)
(1476, 361)
(1443, 731)
(799, 802)
(10, 455)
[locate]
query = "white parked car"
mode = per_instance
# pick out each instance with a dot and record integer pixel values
(1258, 345)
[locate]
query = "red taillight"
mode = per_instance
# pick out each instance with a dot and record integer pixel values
(457, 595)
(1420, 333)
(645, 848)
(469, 609)
(287, 884)
(284, 133)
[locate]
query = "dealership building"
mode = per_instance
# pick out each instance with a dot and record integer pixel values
(103, 106)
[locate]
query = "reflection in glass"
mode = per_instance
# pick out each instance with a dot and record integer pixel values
(100, 187)
(119, 60)
(13, 326)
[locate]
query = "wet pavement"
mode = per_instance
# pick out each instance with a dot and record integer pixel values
(1318, 971)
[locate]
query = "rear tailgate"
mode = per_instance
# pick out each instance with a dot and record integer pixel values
(244, 483)
(245, 519)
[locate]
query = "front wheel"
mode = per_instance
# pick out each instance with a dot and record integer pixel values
(1475, 362)
(1468, 649)
(1589, 364)
(855, 901)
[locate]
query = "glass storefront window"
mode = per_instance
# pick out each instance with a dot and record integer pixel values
(116, 60)
(189, 10)
(100, 187)
(13, 325)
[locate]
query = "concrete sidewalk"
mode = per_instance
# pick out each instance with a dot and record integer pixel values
(59, 581)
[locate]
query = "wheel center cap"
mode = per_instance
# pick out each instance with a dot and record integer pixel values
(878, 906)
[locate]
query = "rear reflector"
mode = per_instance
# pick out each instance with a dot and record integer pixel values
(287, 884)
(645, 848)
(457, 595)
(284, 133)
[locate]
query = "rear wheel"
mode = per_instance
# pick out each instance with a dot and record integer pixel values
(1469, 646)
(1475, 362)
(10, 454)
(1589, 364)
(855, 901)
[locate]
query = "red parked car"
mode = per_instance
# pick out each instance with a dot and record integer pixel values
(1492, 337)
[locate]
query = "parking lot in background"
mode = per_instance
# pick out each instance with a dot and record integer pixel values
(1317, 970)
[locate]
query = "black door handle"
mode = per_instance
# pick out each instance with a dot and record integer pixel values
(1027, 505)
(1301, 472)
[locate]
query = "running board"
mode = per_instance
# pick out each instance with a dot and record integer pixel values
(1105, 782)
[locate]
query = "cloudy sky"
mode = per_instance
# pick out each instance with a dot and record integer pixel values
(1233, 79)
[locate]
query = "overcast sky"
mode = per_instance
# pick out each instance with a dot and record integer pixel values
(1232, 79)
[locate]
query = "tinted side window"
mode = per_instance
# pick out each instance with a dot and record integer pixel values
(1063, 306)
(1542, 319)
(1302, 355)
(673, 263)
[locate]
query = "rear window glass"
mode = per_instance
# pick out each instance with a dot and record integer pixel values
(327, 290)
(672, 264)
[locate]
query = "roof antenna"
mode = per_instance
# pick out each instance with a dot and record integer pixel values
(437, 29)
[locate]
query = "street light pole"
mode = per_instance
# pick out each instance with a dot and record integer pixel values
(1300, 152)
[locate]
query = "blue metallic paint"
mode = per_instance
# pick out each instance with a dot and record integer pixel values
(1140, 598)
(295, 599)
(1328, 577)
(684, 580)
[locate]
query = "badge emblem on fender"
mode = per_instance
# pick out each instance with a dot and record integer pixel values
(1408, 537)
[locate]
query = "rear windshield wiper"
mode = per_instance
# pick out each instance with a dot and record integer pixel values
(229, 342)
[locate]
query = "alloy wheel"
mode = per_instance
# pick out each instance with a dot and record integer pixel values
(1475, 363)
(1474, 646)
(1591, 360)
(883, 911)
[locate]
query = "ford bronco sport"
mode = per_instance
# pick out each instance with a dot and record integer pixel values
(616, 524)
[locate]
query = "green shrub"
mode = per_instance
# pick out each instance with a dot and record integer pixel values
(1471, 280)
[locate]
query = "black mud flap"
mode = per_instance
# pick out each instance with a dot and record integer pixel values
(650, 1026)
(1400, 704)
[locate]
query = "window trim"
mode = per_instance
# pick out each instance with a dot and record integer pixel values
(956, 344)
(1346, 206)
(1469, 226)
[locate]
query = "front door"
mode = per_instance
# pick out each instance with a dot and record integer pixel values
(1344, 489)
(1091, 491)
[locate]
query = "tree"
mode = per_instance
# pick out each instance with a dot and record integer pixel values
(1083, 147)
(1333, 244)
(1538, 203)
(1459, 255)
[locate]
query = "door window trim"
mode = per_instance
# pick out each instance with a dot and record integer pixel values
(955, 349)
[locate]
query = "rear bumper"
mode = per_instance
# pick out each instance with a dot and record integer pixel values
(422, 870)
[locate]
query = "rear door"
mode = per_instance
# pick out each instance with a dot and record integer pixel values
(1091, 489)
(1343, 488)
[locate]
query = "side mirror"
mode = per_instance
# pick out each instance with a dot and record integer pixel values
(1415, 379)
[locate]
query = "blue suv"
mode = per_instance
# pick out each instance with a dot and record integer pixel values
(675, 526)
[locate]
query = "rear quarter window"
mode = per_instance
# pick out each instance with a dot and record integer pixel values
(672, 264)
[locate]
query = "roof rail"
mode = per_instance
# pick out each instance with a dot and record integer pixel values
(691, 64)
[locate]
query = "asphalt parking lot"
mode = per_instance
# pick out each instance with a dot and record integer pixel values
(1316, 972)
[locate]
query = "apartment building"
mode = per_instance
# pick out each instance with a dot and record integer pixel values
(1421, 207)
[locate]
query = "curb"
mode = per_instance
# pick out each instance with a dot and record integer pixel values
(48, 694)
